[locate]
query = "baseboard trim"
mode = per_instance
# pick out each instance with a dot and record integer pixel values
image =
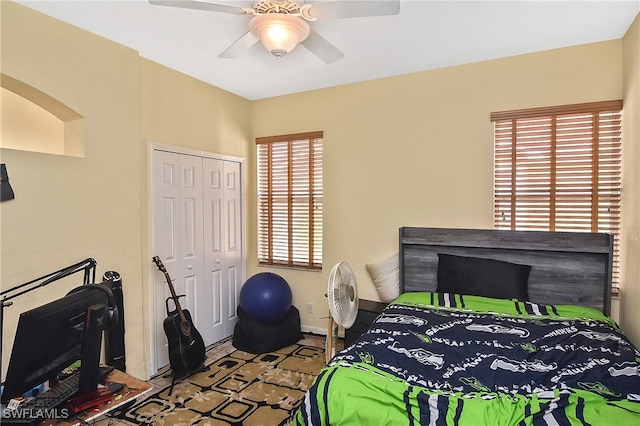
(319, 331)
(313, 330)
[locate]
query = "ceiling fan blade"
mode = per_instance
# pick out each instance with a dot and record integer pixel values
(239, 46)
(201, 5)
(354, 9)
(320, 47)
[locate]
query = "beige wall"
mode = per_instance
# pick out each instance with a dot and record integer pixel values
(69, 208)
(417, 150)
(630, 298)
(180, 110)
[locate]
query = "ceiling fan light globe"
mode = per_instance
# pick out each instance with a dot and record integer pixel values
(279, 33)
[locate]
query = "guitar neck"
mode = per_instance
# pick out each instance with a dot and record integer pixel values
(185, 326)
(175, 297)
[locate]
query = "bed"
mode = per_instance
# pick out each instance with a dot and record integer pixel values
(491, 328)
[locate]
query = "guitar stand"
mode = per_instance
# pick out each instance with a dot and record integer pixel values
(174, 378)
(170, 313)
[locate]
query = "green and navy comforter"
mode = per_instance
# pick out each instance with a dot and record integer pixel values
(443, 359)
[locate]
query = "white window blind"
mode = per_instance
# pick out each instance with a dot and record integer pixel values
(290, 200)
(558, 169)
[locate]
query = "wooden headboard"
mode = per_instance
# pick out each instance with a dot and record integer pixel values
(566, 267)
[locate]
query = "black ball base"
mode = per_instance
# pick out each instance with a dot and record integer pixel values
(251, 335)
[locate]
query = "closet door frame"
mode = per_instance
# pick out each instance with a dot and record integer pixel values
(151, 293)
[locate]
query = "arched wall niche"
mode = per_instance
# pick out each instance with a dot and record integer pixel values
(33, 121)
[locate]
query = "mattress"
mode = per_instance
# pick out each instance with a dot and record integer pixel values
(447, 359)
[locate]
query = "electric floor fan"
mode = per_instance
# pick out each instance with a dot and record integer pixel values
(342, 295)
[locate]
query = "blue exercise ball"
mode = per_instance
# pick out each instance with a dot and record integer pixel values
(266, 297)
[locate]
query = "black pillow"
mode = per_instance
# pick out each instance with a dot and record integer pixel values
(482, 277)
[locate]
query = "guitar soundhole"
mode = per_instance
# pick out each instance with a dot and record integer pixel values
(186, 329)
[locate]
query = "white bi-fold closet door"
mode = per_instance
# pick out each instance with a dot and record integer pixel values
(198, 235)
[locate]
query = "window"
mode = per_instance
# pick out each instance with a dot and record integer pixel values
(290, 200)
(558, 169)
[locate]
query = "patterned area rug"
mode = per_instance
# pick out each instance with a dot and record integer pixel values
(238, 389)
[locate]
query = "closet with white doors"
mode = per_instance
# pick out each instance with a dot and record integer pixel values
(197, 231)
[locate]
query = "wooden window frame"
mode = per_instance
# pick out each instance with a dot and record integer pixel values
(559, 136)
(290, 202)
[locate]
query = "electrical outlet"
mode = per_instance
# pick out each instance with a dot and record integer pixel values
(309, 308)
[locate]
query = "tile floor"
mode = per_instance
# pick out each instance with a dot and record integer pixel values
(163, 378)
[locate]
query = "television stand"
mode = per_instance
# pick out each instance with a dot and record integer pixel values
(95, 322)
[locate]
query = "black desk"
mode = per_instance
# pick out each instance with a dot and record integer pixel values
(133, 389)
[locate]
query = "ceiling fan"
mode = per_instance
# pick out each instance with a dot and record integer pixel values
(281, 24)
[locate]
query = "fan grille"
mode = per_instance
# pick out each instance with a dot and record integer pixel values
(342, 294)
(274, 6)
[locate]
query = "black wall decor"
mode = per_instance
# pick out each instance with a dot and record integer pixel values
(6, 192)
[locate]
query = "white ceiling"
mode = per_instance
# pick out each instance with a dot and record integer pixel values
(427, 34)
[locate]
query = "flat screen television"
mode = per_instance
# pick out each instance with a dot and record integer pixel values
(54, 336)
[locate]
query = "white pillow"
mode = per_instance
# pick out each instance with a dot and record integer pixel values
(386, 278)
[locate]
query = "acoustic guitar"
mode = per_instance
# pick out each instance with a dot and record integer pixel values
(186, 347)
